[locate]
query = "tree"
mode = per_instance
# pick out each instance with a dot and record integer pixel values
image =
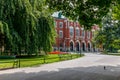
(109, 35)
(116, 43)
(87, 12)
(116, 16)
(116, 11)
(25, 26)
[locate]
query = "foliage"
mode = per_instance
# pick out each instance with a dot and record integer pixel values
(87, 12)
(25, 26)
(109, 35)
(116, 43)
(116, 12)
(118, 51)
(99, 38)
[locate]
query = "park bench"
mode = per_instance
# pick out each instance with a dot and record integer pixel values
(15, 61)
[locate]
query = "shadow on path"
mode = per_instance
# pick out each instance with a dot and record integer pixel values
(76, 73)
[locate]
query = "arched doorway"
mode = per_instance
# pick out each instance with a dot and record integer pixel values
(61, 46)
(71, 46)
(83, 46)
(93, 47)
(77, 47)
(88, 46)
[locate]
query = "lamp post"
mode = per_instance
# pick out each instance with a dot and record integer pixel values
(82, 28)
(80, 51)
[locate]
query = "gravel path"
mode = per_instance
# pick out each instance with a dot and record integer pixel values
(90, 67)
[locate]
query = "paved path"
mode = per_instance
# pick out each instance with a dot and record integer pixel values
(90, 67)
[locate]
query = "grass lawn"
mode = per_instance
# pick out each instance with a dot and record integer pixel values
(115, 54)
(34, 61)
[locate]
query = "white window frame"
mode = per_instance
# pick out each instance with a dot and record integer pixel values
(60, 24)
(60, 34)
(83, 32)
(77, 29)
(71, 30)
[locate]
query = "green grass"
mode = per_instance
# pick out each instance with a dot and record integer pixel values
(114, 54)
(35, 61)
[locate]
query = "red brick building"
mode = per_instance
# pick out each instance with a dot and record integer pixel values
(72, 37)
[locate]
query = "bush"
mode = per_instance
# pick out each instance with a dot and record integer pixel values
(7, 57)
(118, 51)
(104, 52)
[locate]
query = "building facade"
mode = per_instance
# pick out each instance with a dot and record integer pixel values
(71, 36)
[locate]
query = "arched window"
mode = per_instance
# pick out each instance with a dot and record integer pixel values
(71, 32)
(77, 32)
(83, 33)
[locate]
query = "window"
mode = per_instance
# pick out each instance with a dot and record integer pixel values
(71, 32)
(83, 33)
(77, 32)
(60, 24)
(88, 33)
(60, 34)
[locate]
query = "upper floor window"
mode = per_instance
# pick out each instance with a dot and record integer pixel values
(71, 31)
(83, 33)
(60, 34)
(60, 24)
(77, 32)
(88, 34)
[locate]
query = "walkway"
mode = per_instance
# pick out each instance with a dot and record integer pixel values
(90, 67)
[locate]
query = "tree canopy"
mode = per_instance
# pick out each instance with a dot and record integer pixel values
(116, 11)
(87, 12)
(25, 26)
(109, 35)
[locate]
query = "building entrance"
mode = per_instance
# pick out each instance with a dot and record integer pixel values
(77, 47)
(83, 46)
(71, 46)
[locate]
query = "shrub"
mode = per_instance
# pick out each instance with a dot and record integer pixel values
(119, 51)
